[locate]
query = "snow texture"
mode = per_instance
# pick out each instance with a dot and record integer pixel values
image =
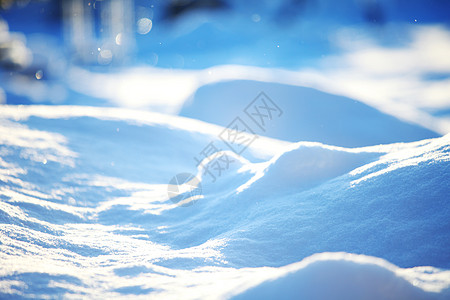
(85, 212)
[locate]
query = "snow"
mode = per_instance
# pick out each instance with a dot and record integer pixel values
(312, 115)
(85, 212)
(348, 276)
(343, 192)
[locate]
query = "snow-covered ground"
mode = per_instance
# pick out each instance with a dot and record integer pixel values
(86, 212)
(134, 178)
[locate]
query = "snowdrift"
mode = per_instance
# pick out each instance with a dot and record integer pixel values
(85, 211)
(348, 276)
(308, 114)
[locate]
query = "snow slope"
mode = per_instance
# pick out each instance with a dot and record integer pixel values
(85, 211)
(310, 115)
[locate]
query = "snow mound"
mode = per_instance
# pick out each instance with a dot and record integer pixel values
(349, 276)
(395, 207)
(308, 114)
(304, 165)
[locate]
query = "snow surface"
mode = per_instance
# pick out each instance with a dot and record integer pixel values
(310, 114)
(342, 196)
(346, 276)
(85, 212)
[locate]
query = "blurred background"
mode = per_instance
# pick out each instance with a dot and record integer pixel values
(150, 53)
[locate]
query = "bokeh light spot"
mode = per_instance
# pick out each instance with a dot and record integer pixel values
(144, 25)
(39, 74)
